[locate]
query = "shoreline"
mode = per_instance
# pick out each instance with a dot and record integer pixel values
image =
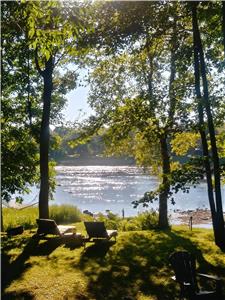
(96, 161)
(201, 218)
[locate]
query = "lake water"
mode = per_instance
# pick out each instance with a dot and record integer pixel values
(101, 188)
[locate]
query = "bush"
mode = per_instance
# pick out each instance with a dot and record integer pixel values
(111, 220)
(65, 214)
(144, 221)
(130, 224)
(148, 220)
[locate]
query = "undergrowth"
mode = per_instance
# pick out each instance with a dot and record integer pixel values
(26, 217)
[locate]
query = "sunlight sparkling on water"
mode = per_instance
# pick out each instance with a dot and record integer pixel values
(98, 188)
(101, 188)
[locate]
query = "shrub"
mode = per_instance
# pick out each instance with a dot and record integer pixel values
(144, 221)
(130, 224)
(111, 220)
(148, 220)
(64, 214)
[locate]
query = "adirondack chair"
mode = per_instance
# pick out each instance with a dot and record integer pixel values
(97, 230)
(48, 226)
(184, 266)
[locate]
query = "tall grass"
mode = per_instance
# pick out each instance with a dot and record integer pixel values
(26, 217)
(65, 214)
(62, 214)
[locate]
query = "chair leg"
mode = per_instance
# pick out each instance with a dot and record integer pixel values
(219, 288)
(182, 293)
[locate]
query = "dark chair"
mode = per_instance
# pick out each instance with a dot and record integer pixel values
(184, 266)
(15, 231)
(97, 230)
(48, 226)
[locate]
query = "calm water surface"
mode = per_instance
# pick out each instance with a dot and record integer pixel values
(101, 188)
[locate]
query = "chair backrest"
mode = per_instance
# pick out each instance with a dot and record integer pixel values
(184, 266)
(96, 229)
(47, 226)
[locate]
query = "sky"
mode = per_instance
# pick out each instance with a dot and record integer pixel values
(77, 107)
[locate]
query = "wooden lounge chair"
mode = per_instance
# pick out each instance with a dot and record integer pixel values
(184, 266)
(48, 226)
(97, 231)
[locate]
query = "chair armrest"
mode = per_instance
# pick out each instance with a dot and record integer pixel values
(63, 229)
(174, 278)
(209, 276)
(184, 283)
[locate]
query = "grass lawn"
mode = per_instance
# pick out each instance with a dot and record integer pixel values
(136, 265)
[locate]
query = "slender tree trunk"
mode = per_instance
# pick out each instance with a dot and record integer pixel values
(172, 95)
(203, 136)
(2, 227)
(223, 13)
(44, 140)
(219, 229)
(163, 197)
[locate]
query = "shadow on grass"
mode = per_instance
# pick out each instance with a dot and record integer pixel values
(98, 250)
(14, 269)
(15, 295)
(136, 264)
(33, 247)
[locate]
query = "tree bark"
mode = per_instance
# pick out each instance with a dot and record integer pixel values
(223, 13)
(163, 196)
(218, 222)
(44, 140)
(172, 95)
(2, 227)
(203, 135)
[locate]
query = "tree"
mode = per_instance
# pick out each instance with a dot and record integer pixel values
(204, 102)
(19, 141)
(52, 32)
(129, 94)
(223, 14)
(21, 101)
(132, 95)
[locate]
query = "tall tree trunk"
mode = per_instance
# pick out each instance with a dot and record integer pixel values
(172, 94)
(163, 197)
(2, 227)
(44, 140)
(223, 13)
(219, 229)
(203, 135)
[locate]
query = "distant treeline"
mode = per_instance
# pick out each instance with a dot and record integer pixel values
(93, 152)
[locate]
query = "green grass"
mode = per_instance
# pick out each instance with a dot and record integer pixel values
(136, 265)
(63, 214)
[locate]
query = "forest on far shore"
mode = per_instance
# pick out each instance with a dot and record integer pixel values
(94, 151)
